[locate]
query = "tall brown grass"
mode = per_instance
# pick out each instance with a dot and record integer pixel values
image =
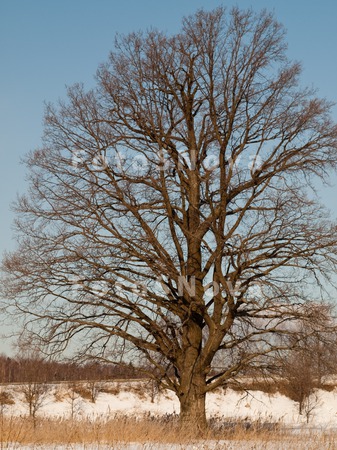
(122, 429)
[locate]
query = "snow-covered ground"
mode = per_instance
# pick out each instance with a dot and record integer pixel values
(133, 399)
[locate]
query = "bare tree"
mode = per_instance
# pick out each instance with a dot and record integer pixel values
(74, 399)
(170, 214)
(34, 394)
(34, 389)
(309, 360)
(94, 387)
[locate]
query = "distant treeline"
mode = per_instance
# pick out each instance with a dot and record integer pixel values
(21, 369)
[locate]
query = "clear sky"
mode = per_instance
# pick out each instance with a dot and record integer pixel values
(46, 45)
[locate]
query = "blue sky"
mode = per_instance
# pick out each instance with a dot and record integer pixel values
(46, 45)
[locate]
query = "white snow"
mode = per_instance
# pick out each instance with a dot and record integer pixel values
(230, 404)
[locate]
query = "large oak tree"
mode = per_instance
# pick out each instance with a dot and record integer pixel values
(170, 214)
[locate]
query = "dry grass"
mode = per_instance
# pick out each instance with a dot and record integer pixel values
(6, 398)
(112, 388)
(166, 430)
(119, 429)
(83, 391)
(142, 389)
(263, 385)
(272, 386)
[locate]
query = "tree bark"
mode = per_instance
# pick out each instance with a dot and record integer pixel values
(192, 397)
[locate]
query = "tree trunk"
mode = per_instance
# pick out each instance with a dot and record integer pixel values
(192, 397)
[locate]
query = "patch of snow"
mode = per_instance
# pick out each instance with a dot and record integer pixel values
(230, 404)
